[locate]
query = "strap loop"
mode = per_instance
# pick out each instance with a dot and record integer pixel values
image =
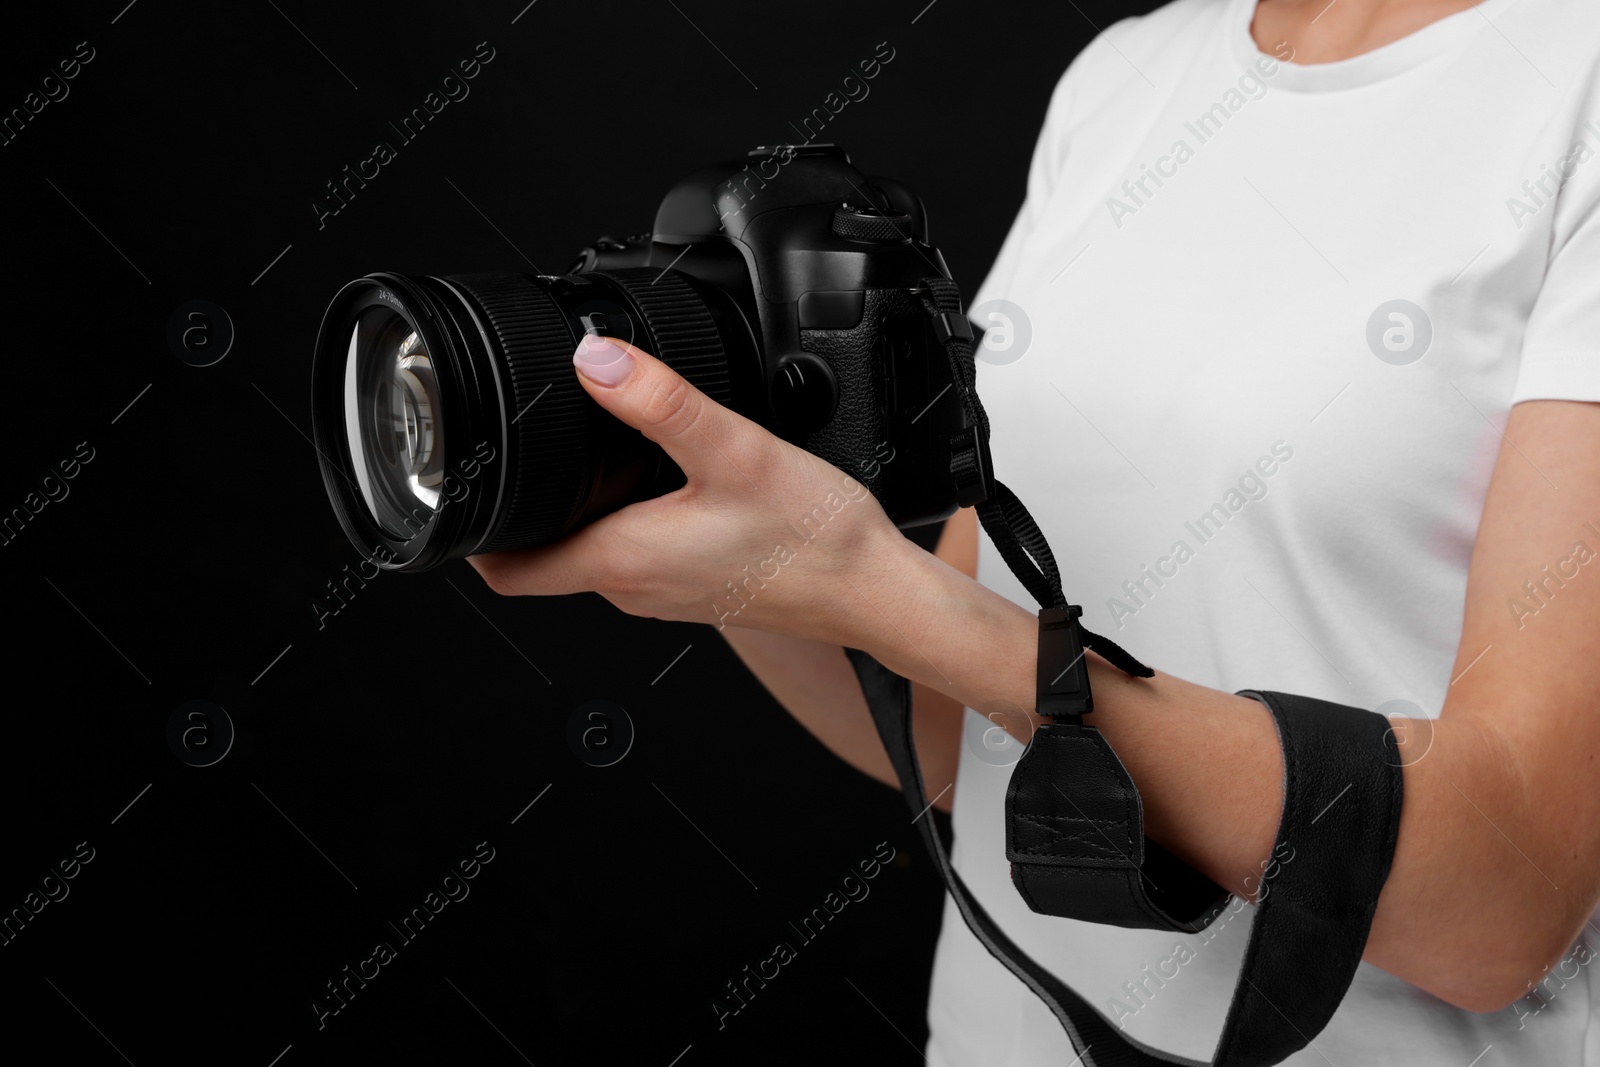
(1062, 680)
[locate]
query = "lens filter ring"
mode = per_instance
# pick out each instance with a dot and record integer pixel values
(385, 381)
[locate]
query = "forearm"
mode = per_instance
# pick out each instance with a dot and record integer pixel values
(941, 629)
(1461, 916)
(816, 684)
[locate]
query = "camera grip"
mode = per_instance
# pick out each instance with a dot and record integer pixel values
(877, 366)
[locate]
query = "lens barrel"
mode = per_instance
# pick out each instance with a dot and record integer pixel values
(449, 419)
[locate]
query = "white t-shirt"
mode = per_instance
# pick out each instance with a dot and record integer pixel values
(1256, 417)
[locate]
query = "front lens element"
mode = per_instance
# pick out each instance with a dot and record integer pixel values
(393, 422)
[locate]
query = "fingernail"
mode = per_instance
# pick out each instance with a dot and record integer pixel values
(601, 361)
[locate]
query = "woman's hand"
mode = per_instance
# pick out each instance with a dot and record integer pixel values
(764, 535)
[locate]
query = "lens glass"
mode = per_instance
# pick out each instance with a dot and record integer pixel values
(393, 422)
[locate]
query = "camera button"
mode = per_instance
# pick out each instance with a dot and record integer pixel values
(803, 393)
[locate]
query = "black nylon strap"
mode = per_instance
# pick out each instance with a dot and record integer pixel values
(1319, 910)
(1099, 1041)
(1007, 522)
(1060, 865)
(1343, 792)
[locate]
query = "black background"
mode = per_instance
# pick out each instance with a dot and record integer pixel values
(375, 752)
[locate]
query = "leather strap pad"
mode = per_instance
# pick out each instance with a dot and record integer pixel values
(1075, 839)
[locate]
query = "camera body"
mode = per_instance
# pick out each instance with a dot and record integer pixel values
(788, 286)
(824, 264)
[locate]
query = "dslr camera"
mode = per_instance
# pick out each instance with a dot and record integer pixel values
(787, 286)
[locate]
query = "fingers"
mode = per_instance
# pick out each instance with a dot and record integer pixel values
(566, 567)
(704, 438)
(701, 436)
(605, 557)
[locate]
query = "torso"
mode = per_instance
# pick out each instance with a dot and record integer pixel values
(1213, 350)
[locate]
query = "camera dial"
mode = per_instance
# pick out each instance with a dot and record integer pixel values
(867, 223)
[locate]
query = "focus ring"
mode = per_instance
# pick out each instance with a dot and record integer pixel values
(686, 338)
(545, 461)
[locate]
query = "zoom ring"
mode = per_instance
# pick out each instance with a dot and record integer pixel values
(686, 337)
(545, 462)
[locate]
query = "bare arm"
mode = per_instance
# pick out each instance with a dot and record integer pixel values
(815, 683)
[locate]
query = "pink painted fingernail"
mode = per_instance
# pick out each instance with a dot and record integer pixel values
(601, 361)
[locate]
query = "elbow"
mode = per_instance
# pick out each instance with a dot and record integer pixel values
(1512, 928)
(1492, 982)
(1486, 989)
(1487, 997)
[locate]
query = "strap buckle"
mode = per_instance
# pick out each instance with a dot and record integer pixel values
(1062, 681)
(948, 324)
(970, 467)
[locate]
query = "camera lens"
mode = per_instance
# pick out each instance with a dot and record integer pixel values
(393, 418)
(449, 420)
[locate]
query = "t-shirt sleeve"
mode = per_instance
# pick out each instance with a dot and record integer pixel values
(1561, 346)
(1048, 158)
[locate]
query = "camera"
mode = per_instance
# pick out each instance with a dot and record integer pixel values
(786, 285)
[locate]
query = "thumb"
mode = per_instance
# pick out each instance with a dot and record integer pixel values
(704, 438)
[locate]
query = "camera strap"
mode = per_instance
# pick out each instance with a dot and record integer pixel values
(1074, 831)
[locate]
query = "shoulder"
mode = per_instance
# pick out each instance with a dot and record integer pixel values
(1548, 49)
(1129, 61)
(1138, 54)
(1570, 27)
(1541, 66)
